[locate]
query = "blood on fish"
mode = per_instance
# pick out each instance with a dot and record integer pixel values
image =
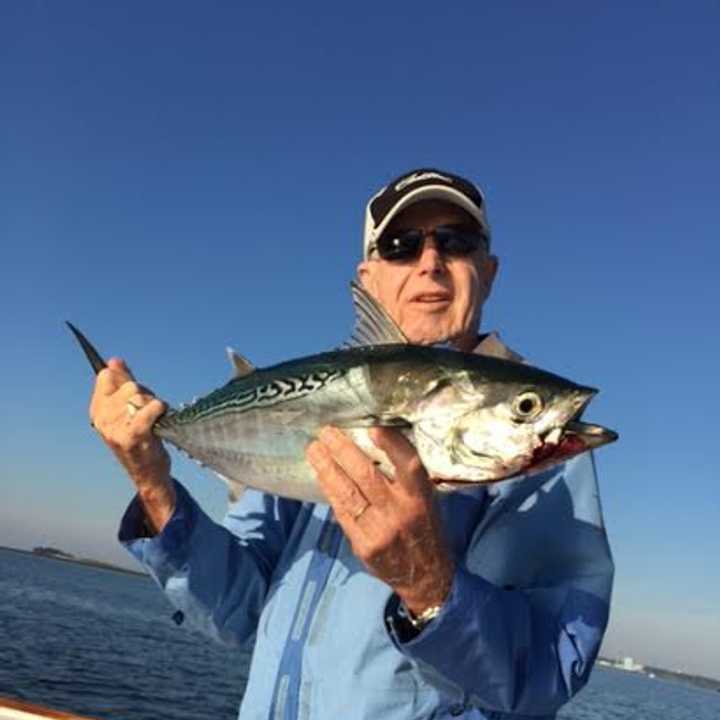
(547, 454)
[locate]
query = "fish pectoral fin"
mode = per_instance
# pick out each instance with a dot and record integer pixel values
(240, 366)
(373, 326)
(235, 492)
(235, 488)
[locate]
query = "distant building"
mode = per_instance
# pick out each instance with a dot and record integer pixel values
(629, 664)
(625, 663)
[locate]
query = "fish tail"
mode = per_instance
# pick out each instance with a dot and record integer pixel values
(93, 356)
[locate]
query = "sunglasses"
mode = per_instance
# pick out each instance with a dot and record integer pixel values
(450, 241)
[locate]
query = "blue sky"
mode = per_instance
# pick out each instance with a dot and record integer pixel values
(178, 177)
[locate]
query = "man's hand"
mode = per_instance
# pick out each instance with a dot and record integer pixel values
(123, 413)
(392, 524)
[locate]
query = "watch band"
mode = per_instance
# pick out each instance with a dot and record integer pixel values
(424, 618)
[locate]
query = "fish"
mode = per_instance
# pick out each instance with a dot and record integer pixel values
(473, 419)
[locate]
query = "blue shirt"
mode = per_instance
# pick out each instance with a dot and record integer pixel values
(516, 638)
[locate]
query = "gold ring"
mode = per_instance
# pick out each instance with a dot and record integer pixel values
(132, 408)
(356, 515)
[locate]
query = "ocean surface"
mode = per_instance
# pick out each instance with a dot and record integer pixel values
(104, 644)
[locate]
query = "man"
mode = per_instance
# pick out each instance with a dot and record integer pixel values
(393, 602)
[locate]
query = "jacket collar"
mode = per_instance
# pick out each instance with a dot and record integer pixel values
(491, 344)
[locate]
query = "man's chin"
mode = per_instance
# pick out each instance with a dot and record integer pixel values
(430, 335)
(424, 326)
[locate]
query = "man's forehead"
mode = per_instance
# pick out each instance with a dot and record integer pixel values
(428, 212)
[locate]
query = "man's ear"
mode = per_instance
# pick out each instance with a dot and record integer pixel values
(488, 272)
(366, 275)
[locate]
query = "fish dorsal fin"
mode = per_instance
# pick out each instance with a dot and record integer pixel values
(373, 326)
(240, 365)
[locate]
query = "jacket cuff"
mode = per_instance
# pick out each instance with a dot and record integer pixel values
(170, 547)
(458, 616)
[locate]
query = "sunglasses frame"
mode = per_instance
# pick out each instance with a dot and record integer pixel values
(413, 252)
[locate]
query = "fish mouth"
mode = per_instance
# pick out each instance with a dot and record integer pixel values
(561, 444)
(572, 438)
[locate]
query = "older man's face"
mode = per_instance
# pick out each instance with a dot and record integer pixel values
(432, 297)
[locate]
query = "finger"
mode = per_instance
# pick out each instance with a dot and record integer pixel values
(112, 377)
(341, 492)
(357, 465)
(113, 408)
(410, 472)
(108, 381)
(140, 399)
(131, 389)
(119, 365)
(103, 406)
(137, 402)
(147, 416)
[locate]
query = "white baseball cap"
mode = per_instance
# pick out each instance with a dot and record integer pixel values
(417, 185)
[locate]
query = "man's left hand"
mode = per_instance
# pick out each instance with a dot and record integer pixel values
(392, 524)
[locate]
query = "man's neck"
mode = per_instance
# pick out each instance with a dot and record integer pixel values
(467, 343)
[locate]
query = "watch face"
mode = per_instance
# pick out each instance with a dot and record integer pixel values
(426, 616)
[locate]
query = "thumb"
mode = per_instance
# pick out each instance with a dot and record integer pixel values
(410, 472)
(120, 366)
(395, 445)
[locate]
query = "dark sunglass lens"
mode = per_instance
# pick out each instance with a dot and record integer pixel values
(400, 246)
(456, 241)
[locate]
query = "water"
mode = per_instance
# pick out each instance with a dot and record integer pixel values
(620, 695)
(103, 644)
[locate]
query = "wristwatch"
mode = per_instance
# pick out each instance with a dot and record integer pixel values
(424, 618)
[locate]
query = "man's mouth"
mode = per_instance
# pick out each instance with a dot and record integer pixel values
(432, 298)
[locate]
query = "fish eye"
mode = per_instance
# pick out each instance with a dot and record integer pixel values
(527, 405)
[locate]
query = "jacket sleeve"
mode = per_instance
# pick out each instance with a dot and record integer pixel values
(215, 575)
(528, 607)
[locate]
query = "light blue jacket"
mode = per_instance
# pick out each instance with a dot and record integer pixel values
(516, 638)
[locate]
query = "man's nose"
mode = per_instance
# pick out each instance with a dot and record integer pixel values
(430, 259)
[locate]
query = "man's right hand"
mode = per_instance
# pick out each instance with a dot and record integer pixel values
(128, 433)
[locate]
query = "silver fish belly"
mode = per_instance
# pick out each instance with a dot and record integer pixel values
(255, 433)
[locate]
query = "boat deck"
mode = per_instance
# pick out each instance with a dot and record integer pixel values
(21, 710)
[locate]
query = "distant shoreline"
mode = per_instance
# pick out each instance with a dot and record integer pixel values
(88, 562)
(698, 681)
